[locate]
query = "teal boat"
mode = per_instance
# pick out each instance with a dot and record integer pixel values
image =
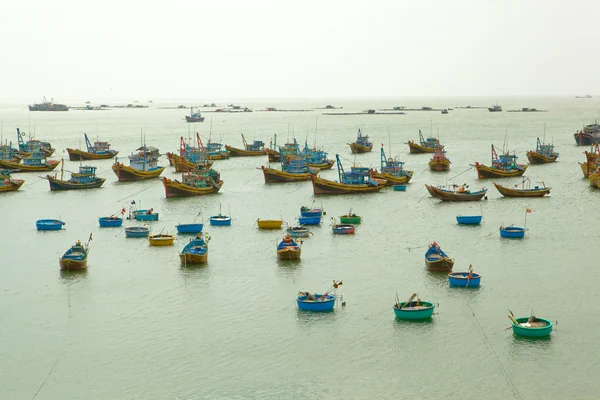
(531, 326)
(413, 310)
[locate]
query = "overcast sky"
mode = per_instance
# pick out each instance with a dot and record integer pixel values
(309, 49)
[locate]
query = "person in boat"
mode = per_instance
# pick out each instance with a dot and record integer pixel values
(149, 212)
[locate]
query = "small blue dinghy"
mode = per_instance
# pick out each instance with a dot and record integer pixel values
(315, 302)
(110, 222)
(512, 232)
(311, 212)
(189, 228)
(137, 231)
(309, 220)
(465, 279)
(49, 224)
(468, 219)
(145, 215)
(399, 188)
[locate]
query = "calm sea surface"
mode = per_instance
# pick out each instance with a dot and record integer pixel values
(138, 325)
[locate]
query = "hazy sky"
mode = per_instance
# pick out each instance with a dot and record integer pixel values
(311, 49)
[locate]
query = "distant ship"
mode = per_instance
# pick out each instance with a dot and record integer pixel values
(48, 106)
(587, 96)
(495, 108)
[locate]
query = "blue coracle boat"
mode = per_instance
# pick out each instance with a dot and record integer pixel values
(315, 302)
(464, 279)
(137, 231)
(189, 228)
(468, 219)
(49, 224)
(513, 232)
(145, 215)
(311, 212)
(220, 220)
(110, 222)
(309, 220)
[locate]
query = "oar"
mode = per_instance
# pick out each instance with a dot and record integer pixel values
(409, 300)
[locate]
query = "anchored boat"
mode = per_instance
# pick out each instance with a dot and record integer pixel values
(33, 146)
(98, 151)
(589, 135)
(110, 222)
(76, 256)
(362, 144)
(7, 183)
(256, 148)
(220, 219)
(194, 116)
(523, 191)
(543, 154)
(392, 171)
(137, 231)
(35, 162)
(196, 251)
(269, 223)
(350, 218)
(465, 279)
(425, 145)
(439, 161)
(530, 326)
(457, 193)
(469, 219)
(437, 260)
(358, 180)
(49, 224)
(143, 165)
(413, 309)
(161, 239)
(84, 179)
(503, 166)
(288, 249)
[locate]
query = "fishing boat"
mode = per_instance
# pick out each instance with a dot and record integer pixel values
(35, 162)
(437, 260)
(288, 249)
(350, 218)
(456, 193)
(343, 229)
(512, 232)
(543, 154)
(309, 220)
(84, 179)
(9, 154)
(49, 224)
(143, 165)
(424, 146)
(293, 169)
(589, 135)
(357, 181)
(196, 251)
(439, 162)
(220, 219)
(392, 171)
(196, 183)
(298, 231)
(110, 222)
(256, 148)
(592, 161)
(468, 219)
(269, 223)
(413, 309)
(194, 116)
(161, 239)
(317, 159)
(76, 256)
(7, 183)
(495, 108)
(362, 144)
(318, 302)
(98, 151)
(137, 231)
(594, 179)
(272, 153)
(530, 326)
(215, 151)
(503, 166)
(465, 279)
(33, 146)
(183, 164)
(523, 191)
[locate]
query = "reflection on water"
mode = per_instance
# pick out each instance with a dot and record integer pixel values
(73, 275)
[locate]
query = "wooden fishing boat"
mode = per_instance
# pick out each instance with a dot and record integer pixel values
(269, 223)
(7, 183)
(214, 151)
(161, 239)
(392, 171)
(357, 181)
(317, 159)
(536, 191)
(288, 249)
(531, 326)
(9, 154)
(276, 176)
(196, 251)
(456, 193)
(49, 224)
(468, 219)
(33, 146)
(594, 179)
(343, 229)
(504, 166)
(315, 302)
(36, 162)
(589, 135)
(142, 166)
(110, 222)
(193, 184)
(98, 151)
(84, 179)
(439, 162)
(424, 146)
(437, 260)
(413, 310)
(75, 257)
(272, 153)
(350, 218)
(543, 154)
(465, 279)
(256, 148)
(512, 232)
(137, 231)
(194, 116)
(362, 144)
(298, 231)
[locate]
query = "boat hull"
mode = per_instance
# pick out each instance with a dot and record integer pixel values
(296, 233)
(343, 230)
(275, 176)
(57, 184)
(50, 165)
(289, 253)
(391, 180)
(512, 232)
(12, 185)
(443, 264)
(416, 148)
(585, 139)
(273, 155)
(322, 166)
(542, 331)
(508, 192)
(125, 173)
(538, 158)
(269, 224)
(439, 165)
(70, 264)
(483, 171)
(235, 152)
(49, 225)
(107, 222)
(452, 196)
(464, 279)
(468, 219)
(414, 312)
(137, 232)
(588, 168)
(309, 220)
(161, 240)
(327, 304)
(79, 155)
(360, 149)
(219, 222)
(324, 186)
(188, 258)
(178, 189)
(189, 228)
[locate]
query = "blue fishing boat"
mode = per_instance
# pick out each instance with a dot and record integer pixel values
(214, 151)
(76, 256)
(530, 326)
(84, 179)
(189, 228)
(99, 151)
(7, 183)
(317, 158)
(358, 180)
(413, 310)
(309, 220)
(362, 144)
(399, 188)
(110, 222)
(49, 224)
(143, 165)
(33, 145)
(137, 231)
(465, 279)
(392, 171)
(315, 302)
(469, 219)
(196, 251)
(513, 232)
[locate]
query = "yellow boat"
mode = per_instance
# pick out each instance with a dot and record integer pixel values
(126, 173)
(269, 223)
(588, 168)
(180, 163)
(503, 166)
(424, 146)
(362, 144)
(322, 166)
(77, 155)
(31, 164)
(8, 184)
(391, 179)
(274, 175)
(523, 192)
(595, 179)
(325, 186)
(256, 148)
(161, 239)
(192, 185)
